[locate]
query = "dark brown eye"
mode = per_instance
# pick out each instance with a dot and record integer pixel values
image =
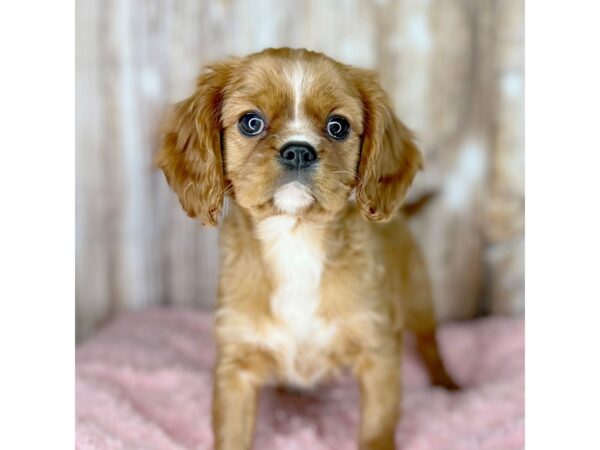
(338, 127)
(251, 124)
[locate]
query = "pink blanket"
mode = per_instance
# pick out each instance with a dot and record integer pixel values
(144, 382)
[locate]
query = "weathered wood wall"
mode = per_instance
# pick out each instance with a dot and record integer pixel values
(453, 67)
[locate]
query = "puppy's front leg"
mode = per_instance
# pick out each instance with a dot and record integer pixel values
(380, 390)
(234, 404)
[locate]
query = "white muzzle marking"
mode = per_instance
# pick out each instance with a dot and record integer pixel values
(292, 197)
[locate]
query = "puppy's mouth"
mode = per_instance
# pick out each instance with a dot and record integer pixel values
(293, 197)
(294, 194)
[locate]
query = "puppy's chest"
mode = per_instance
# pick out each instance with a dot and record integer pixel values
(299, 335)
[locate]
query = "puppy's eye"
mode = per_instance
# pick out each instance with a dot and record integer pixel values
(338, 127)
(251, 124)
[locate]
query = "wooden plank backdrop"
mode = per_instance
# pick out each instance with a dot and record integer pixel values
(454, 69)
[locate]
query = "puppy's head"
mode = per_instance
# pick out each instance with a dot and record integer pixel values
(288, 132)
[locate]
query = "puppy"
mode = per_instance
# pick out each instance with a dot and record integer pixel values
(304, 149)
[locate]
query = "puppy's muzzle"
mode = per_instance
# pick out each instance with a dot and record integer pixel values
(297, 156)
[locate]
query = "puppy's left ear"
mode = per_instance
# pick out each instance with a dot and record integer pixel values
(389, 157)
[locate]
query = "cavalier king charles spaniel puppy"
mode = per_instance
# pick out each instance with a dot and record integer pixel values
(318, 269)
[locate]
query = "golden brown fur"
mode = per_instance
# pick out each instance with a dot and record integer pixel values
(360, 283)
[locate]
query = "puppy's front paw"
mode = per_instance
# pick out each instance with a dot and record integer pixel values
(384, 442)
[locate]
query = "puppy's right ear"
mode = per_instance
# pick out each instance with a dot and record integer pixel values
(190, 155)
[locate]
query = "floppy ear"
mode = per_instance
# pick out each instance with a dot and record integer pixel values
(190, 155)
(389, 157)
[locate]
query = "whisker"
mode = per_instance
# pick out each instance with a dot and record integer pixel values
(331, 191)
(228, 190)
(345, 172)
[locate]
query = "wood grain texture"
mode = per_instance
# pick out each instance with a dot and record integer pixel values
(454, 69)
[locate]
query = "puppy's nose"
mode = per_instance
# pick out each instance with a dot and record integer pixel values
(297, 155)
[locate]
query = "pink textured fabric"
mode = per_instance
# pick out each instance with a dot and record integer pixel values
(144, 382)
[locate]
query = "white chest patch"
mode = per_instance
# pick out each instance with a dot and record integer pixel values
(296, 259)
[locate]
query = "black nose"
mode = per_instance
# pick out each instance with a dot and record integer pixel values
(297, 155)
